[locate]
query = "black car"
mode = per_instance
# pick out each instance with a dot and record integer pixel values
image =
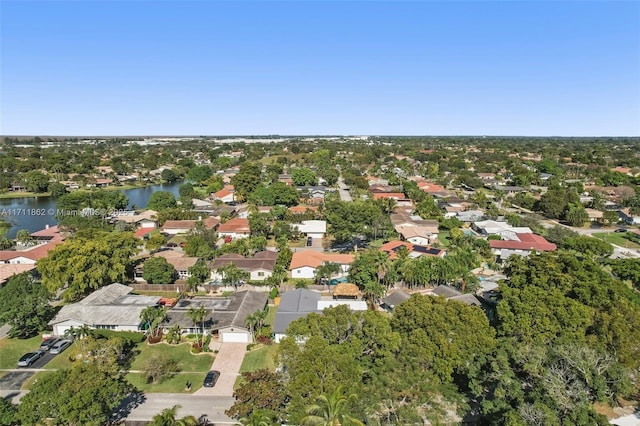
(48, 343)
(621, 230)
(211, 379)
(309, 241)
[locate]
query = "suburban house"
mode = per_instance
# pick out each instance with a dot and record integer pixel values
(392, 247)
(224, 316)
(394, 299)
(110, 307)
(42, 242)
(506, 231)
(146, 219)
(522, 245)
(7, 270)
(627, 217)
(311, 228)
(178, 260)
(305, 263)
(451, 293)
(235, 228)
(301, 302)
(224, 195)
(469, 216)
(260, 266)
(175, 227)
(594, 215)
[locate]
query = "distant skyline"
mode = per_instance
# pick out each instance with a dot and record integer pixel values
(312, 68)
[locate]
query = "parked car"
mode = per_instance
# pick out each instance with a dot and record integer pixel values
(60, 346)
(309, 241)
(48, 343)
(621, 230)
(29, 358)
(211, 379)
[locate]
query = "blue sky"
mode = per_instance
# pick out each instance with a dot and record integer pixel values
(401, 68)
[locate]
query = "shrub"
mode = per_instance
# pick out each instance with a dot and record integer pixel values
(128, 336)
(265, 340)
(273, 293)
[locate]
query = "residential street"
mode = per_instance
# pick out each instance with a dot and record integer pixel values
(342, 190)
(212, 407)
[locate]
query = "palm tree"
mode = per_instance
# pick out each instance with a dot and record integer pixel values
(251, 321)
(197, 315)
(167, 417)
(326, 271)
(257, 418)
(331, 410)
(173, 335)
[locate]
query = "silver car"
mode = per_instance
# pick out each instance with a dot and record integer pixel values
(60, 346)
(29, 358)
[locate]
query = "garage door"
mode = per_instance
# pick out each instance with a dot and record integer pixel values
(229, 337)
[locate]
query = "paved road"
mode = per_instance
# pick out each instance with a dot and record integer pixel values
(227, 362)
(342, 190)
(14, 379)
(212, 407)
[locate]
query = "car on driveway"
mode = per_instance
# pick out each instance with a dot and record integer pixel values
(621, 230)
(48, 343)
(211, 379)
(29, 358)
(60, 346)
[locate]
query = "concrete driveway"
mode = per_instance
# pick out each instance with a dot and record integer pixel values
(227, 362)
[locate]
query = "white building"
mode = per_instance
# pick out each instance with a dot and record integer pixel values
(111, 308)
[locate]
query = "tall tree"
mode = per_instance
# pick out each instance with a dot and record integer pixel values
(24, 305)
(83, 264)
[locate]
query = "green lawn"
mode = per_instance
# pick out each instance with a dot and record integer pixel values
(259, 359)
(13, 349)
(175, 384)
(181, 353)
(443, 237)
(616, 238)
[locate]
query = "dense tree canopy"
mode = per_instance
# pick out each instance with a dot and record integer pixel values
(83, 264)
(24, 305)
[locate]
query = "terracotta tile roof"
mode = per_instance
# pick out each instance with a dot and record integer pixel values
(34, 253)
(526, 242)
(236, 225)
(141, 232)
(314, 259)
(302, 209)
(222, 193)
(8, 270)
(179, 224)
(51, 231)
(394, 195)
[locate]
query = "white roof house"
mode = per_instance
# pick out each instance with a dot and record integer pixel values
(312, 228)
(111, 308)
(492, 227)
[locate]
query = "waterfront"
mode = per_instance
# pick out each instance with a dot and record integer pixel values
(32, 213)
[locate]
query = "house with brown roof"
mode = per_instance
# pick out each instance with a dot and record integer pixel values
(305, 263)
(260, 266)
(174, 227)
(415, 250)
(235, 228)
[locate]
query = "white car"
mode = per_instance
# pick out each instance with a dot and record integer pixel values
(60, 346)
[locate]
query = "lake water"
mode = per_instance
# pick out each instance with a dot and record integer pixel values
(33, 213)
